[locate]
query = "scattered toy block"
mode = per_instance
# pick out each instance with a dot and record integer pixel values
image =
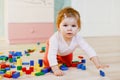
(25, 63)
(31, 68)
(81, 57)
(28, 71)
(1, 52)
(81, 66)
(83, 61)
(1, 72)
(75, 63)
(24, 69)
(13, 66)
(40, 62)
(19, 67)
(39, 73)
(31, 63)
(102, 73)
(46, 70)
(16, 75)
(63, 67)
(7, 75)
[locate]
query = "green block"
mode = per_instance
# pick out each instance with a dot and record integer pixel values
(1, 58)
(19, 67)
(75, 61)
(10, 60)
(39, 73)
(64, 64)
(27, 54)
(5, 58)
(18, 57)
(3, 70)
(43, 48)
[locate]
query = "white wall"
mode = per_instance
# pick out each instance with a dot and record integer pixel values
(99, 17)
(1, 19)
(30, 10)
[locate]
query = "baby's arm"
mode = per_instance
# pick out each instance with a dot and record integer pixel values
(91, 53)
(97, 63)
(52, 56)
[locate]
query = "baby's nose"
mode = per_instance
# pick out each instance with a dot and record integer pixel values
(69, 28)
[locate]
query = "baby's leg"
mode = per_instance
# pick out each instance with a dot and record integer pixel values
(65, 59)
(45, 59)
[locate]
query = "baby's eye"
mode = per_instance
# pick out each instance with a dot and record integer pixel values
(73, 25)
(65, 25)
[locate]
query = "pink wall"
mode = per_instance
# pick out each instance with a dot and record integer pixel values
(29, 32)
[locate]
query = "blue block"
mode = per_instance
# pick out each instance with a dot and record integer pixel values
(45, 70)
(7, 68)
(83, 67)
(18, 53)
(1, 72)
(83, 61)
(13, 66)
(25, 63)
(14, 59)
(11, 52)
(79, 66)
(26, 52)
(40, 62)
(63, 67)
(102, 73)
(31, 63)
(16, 75)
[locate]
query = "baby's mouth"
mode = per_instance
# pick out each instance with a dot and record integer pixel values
(69, 33)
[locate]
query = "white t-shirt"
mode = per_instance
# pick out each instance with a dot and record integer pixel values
(58, 46)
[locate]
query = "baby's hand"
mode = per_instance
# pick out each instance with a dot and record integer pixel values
(102, 66)
(97, 63)
(57, 71)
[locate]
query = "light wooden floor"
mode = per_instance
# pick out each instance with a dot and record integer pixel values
(107, 48)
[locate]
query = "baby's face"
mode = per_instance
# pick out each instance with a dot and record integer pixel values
(69, 27)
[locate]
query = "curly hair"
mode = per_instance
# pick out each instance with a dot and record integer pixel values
(68, 12)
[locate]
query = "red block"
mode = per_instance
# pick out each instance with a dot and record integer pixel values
(24, 69)
(13, 72)
(74, 64)
(3, 66)
(28, 71)
(31, 68)
(81, 57)
(7, 75)
(10, 55)
(7, 65)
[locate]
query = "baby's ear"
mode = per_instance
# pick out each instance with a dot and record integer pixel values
(78, 30)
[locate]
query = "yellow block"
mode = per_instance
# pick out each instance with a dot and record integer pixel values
(0, 77)
(42, 67)
(8, 72)
(19, 62)
(33, 73)
(38, 69)
(1, 52)
(36, 65)
(21, 73)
